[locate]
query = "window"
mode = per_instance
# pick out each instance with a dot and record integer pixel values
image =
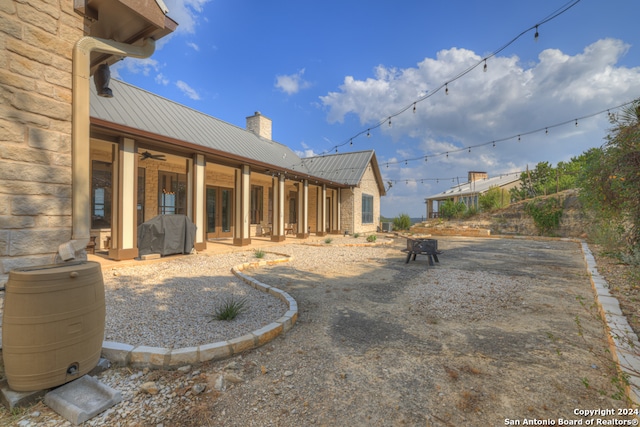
(100, 194)
(367, 209)
(172, 193)
(256, 204)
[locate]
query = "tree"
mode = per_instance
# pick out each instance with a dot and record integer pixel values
(610, 182)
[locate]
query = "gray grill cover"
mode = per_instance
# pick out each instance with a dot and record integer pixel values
(166, 235)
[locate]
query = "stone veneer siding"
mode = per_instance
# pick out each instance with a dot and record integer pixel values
(37, 39)
(368, 186)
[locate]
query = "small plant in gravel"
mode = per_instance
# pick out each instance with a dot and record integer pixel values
(371, 238)
(230, 308)
(356, 235)
(328, 240)
(259, 253)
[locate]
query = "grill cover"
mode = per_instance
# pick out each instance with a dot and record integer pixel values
(166, 235)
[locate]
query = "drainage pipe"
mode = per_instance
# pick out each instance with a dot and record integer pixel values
(81, 176)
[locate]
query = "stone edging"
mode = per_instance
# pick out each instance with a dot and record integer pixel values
(623, 342)
(165, 358)
(361, 245)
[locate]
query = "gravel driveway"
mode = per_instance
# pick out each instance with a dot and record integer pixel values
(499, 330)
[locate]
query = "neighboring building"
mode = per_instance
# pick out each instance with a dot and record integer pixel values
(468, 192)
(65, 177)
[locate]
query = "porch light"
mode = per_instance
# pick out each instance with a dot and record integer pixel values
(101, 79)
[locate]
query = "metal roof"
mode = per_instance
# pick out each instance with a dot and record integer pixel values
(478, 186)
(138, 109)
(345, 168)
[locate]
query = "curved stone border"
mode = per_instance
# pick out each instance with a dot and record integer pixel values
(623, 342)
(159, 357)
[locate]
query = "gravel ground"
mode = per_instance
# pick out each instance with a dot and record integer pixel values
(172, 304)
(488, 334)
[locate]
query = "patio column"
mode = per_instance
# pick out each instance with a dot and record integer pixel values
(241, 229)
(199, 196)
(277, 234)
(124, 234)
(321, 211)
(336, 211)
(303, 210)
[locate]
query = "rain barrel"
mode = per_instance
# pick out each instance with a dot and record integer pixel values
(52, 324)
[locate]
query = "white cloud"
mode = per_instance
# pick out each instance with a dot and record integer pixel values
(194, 46)
(187, 90)
(292, 83)
(511, 98)
(161, 79)
(135, 66)
(186, 13)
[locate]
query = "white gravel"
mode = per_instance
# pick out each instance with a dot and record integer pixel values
(172, 303)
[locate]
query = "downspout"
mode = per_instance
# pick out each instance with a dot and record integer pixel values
(80, 154)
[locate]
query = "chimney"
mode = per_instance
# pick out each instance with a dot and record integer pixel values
(477, 176)
(260, 125)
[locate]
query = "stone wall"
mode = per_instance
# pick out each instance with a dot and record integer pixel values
(37, 39)
(512, 220)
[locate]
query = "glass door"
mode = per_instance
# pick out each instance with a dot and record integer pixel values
(219, 212)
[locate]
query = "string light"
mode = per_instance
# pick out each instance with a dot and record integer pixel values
(563, 9)
(368, 134)
(389, 121)
(546, 131)
(576, 122)
(485, 66)
(536, 35)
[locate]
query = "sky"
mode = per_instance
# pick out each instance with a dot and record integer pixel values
(329, 73)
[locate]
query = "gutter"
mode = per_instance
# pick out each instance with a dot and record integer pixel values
(80, 137)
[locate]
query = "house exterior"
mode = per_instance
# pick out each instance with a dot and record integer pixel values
(49, 51)
(468, 192)
(68, 157)
(232, 182)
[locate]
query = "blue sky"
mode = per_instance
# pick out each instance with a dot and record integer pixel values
(326, 71)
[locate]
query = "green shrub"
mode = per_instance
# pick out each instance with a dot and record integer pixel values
(356, 235)
(495, 198)
(230, 308)
(371, 238)
(402, 222)
(259, 253)
(450, 209)
(546, 214)
(328, 240)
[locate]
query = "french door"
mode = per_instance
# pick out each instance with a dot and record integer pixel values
(219, 212)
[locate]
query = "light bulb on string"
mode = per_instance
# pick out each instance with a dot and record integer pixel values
(414, 108)
(494, 143)
(576, 122)
(368, 133)
(405, 163)
(546, 131)
(447, 154)
(469, 149)
(518, 138)
(389, 121)
(426, 159)
(351, 142)
(446, 88)
(536, 35)
(485, 66)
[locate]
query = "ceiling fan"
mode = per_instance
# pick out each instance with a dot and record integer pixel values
(147, 155)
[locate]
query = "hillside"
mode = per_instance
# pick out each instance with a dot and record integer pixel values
(512, 220)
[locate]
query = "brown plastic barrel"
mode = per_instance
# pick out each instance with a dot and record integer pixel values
(52, 324)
